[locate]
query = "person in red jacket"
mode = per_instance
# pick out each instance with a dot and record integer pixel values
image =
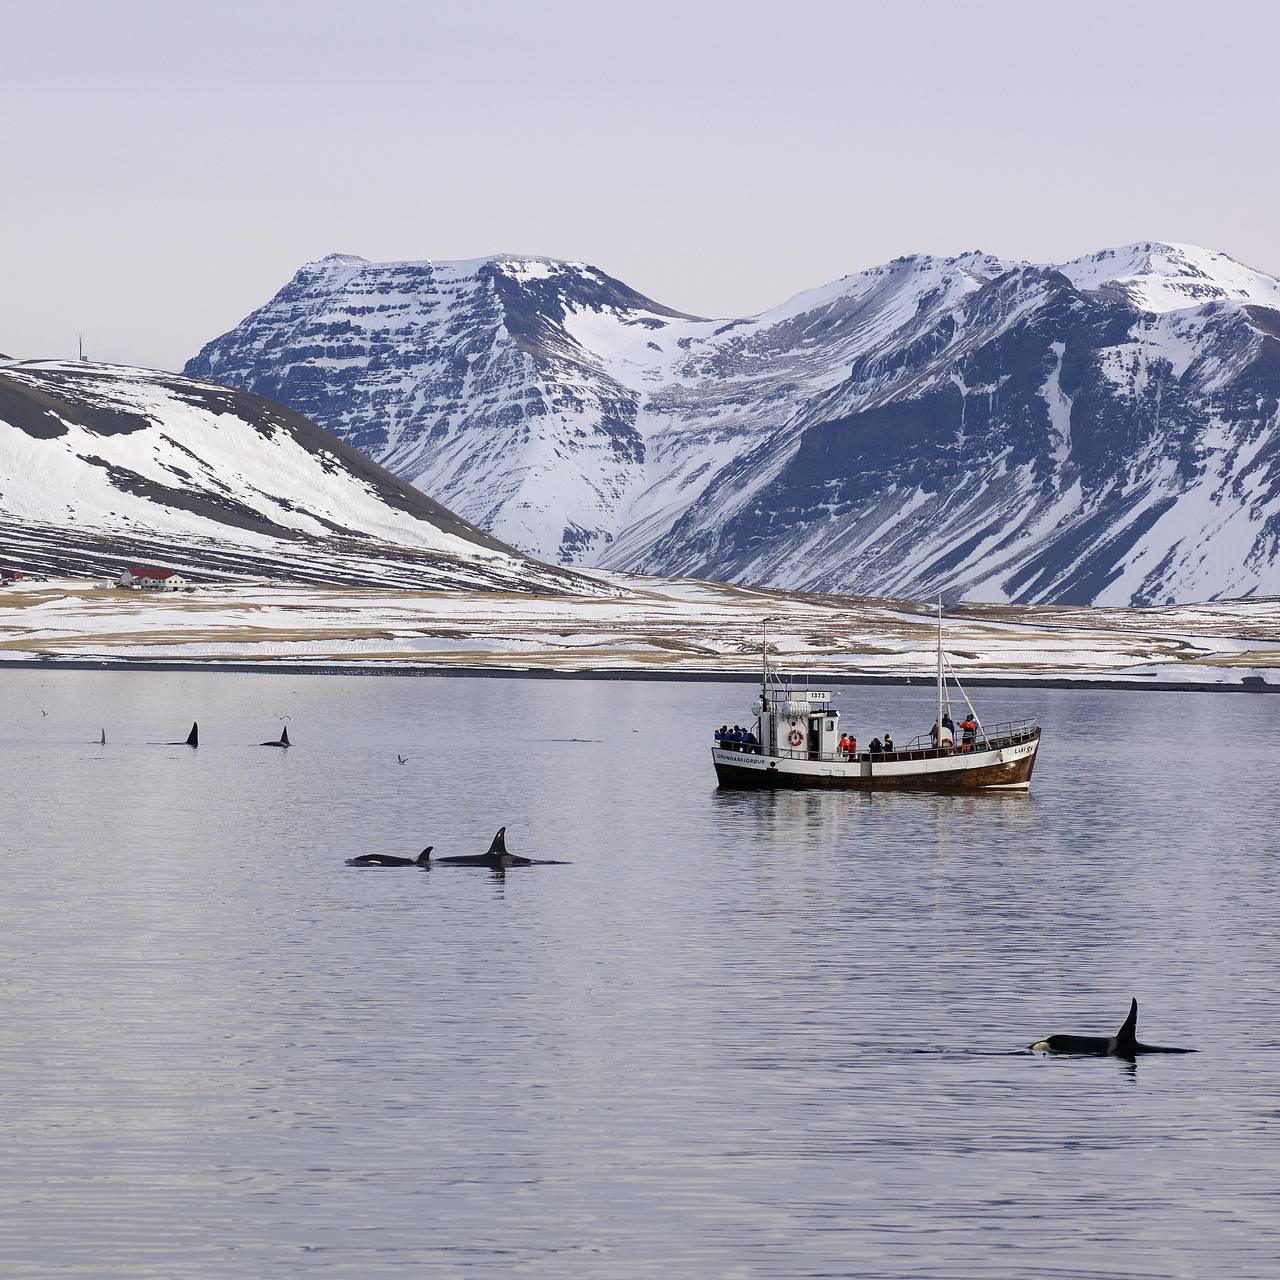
(968, 731)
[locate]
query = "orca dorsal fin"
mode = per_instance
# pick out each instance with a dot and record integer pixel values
(499, 844)
(1126, 1038)
(284, 736)
(102, 741)
(193, 738)
(424, 858)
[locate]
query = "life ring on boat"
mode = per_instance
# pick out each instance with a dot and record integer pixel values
(795, 737)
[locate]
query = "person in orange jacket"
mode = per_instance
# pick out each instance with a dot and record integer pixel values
(968, 731)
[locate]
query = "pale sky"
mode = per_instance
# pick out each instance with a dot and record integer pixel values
(170, 165)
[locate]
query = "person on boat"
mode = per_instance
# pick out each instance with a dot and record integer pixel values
(736, 738)
(968, 731)
(750, 740)
(949, 725)
(888, 742)
(722, 734)
(843, 745)
(876, 746)
(933, 734)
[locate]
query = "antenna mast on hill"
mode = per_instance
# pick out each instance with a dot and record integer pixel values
(82, 346)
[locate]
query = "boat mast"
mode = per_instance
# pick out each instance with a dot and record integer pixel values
(938, 722)
(764, 665)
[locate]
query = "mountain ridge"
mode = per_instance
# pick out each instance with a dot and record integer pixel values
(576, 418)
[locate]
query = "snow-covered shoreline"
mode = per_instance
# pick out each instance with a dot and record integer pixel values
(655, 627)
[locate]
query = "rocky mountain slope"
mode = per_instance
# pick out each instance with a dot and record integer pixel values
(1105, 430)
(101, 464)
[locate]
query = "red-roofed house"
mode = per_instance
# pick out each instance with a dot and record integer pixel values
(10, 575)
(144, 578)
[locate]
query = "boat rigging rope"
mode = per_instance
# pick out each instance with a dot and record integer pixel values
(972, 710)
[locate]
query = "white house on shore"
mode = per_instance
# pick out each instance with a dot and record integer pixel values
(144, 578)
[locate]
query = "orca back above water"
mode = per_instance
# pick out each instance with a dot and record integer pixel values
(389, 860)
(192, 739)
(1124, 1044)
(281, 741)
(497, 856)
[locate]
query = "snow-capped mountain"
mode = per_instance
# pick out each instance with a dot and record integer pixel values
(1104, 430)
(545, 400)
(1171, 277)
(101, 464)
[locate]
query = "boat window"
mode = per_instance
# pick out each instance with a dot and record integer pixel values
(831, 725)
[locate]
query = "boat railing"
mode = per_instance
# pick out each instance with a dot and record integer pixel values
(990, 736)
(1008, 731)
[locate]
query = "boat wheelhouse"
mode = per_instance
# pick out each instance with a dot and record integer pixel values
(797, 742)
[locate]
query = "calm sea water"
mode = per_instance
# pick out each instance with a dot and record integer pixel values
(741, 1035)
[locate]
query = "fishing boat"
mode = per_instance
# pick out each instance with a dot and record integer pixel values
(795, 742)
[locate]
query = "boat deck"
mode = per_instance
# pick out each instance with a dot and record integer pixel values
(997, 738)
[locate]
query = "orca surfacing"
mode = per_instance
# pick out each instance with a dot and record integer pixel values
(281, 741)
(497, 857)
(1124, 1044)
(385, 859)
